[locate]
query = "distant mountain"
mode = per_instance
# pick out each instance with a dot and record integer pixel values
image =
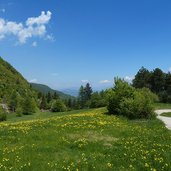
(12, 81)
(72, 92)
(45, 89)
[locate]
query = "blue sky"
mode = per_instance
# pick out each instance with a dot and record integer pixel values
(64, 43)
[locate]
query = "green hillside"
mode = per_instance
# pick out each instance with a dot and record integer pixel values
(11, 80)
(45, 89)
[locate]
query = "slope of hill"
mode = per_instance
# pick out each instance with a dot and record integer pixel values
(45, 89)
(11, 80)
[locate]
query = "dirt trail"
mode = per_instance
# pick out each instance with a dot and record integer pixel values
(166, 120)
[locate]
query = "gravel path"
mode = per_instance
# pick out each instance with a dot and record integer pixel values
(166, 120)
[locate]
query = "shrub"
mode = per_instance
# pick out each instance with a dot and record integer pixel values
(3, 115)
(58, 106)
(130, 102)
(138, 107)
(28, 106)
(120, 91)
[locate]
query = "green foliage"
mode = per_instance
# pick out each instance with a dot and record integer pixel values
(140, 106)
(142, 79)
(98, 100)
(85, 96)
(3, 115)
(12, 84)
(157, 81)
(28, 106)
(130, 102)
(58, 106)
(121, 91)
(43, 103)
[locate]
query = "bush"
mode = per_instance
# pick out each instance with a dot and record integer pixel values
(130, 102)
(120, 91)
(58, 106)
(3, 115)
(29, 106)
(19, 111)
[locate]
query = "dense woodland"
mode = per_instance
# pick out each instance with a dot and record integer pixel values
(157, 81)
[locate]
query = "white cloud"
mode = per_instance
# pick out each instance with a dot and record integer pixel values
(84, 81)
(128, 78)
(170, 69)
(50, 37)
(33, 80)
(105, 81)
(33, 27)
(2, 10)
(34, 44)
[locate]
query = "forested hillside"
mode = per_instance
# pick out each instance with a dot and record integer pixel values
(44, 89)
(12, 82)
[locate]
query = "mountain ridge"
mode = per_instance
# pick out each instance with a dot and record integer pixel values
(45, 89)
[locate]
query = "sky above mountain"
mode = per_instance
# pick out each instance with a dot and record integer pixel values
(66, 43)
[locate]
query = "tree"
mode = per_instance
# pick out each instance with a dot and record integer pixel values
(69, 103)
(49, 97)
(81, 97)
(55, 96)
(157, 81)
(128, 101)
(43, 103)
(13, 101)
(3, 115)
(28, 106)
(88, 91)
(58, 106)
(142, 79)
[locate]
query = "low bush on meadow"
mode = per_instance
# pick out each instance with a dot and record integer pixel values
(58, 106)
(133, 103)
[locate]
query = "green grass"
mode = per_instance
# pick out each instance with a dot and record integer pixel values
(168, 114)
(162, 106)
(83, 140)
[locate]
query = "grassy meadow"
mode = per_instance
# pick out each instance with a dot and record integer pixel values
(83, 140)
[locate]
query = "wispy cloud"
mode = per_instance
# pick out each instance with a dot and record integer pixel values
(34, 44)
(2, 10)
(104, 81)
(33, 27)
(54, 74)
(50, 37)
(34, 80)
(84, 81)
(170, 69)
(128, 78)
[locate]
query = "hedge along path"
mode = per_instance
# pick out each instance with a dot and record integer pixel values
(165, 119)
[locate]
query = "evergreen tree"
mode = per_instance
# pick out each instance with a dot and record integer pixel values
(43, 104)
(142, 79)
(28, 106)
(88, 91)
(13, 101)
(82, 99)
(158, 81)
(49, 97)
(69, 103)
(55, 96)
